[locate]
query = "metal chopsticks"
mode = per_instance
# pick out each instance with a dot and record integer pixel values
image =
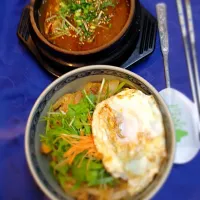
(194, 79)
(193, 45)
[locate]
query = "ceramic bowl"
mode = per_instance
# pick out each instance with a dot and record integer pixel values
(71, 82)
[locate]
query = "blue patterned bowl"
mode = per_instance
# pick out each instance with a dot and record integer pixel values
(70, 82)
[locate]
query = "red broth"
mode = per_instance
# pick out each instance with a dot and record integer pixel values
(102, 35)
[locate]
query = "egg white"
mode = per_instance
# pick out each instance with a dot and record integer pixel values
(128, 131)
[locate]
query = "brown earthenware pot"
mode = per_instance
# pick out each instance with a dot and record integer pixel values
(110, 53)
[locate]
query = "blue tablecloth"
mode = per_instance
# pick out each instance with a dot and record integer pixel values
(22, 80)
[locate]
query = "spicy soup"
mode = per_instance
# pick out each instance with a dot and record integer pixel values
(81, 25)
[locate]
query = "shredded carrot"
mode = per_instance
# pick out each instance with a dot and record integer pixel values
(81, 144)
(45, 148)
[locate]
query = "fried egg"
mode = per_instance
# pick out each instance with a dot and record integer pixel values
(128, 131)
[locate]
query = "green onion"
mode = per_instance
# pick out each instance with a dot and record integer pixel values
(120, 86)
(87, 16)
(89, 100)
(69, 24)
(51, 18)
(100, 90)
(70, 124)
(93, 27)
(78, 13)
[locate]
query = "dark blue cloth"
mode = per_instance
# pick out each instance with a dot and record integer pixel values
(22, 80)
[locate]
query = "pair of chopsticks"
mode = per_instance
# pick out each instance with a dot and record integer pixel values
(191, 62)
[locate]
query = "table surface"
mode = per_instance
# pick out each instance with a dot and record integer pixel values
(22, 80)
